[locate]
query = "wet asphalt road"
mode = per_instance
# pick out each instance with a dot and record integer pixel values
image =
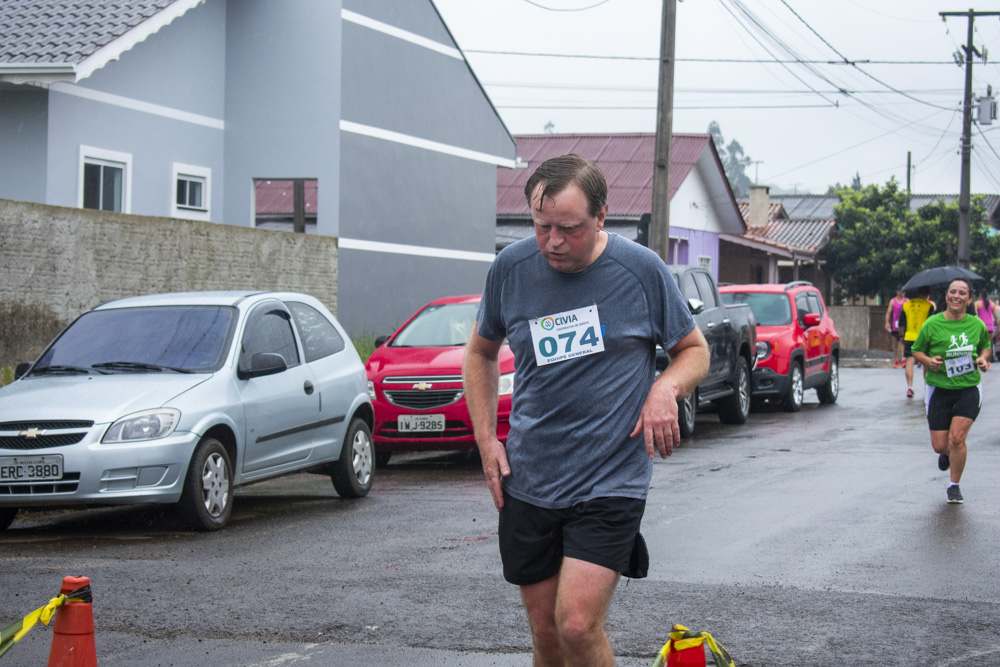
(816, 538)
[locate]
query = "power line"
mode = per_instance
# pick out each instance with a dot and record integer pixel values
(569, 9)
(751, 61)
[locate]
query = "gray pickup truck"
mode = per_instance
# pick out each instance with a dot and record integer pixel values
(731, 332)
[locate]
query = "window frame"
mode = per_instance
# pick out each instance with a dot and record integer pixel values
(105, 158)
(190, 172)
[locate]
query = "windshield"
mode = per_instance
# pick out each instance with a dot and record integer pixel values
(439, 326)
(187, 338)
(769, 309)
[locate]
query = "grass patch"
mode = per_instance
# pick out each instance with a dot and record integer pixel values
(364, 344)
(6, 376)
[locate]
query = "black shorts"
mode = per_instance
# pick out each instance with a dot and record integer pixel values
(943, 404)
(908, 348)
(897, 334)
(534, 540)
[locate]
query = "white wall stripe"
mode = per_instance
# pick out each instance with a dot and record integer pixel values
(420, 251)
(138, 105)
(426, 144)
(398, 33)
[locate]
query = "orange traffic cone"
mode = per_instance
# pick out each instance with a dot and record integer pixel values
(73, 631)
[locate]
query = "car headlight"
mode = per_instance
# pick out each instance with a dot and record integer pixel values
(371, 390)
(506, 385)
(763, 349)
(147, 425)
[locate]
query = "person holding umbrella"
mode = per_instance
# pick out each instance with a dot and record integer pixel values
(955, 348)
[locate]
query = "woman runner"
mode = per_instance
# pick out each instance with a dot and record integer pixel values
(955, 348)
(987, 312)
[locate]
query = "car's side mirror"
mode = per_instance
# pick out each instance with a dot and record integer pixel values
(380, 341)
(696, 305)
(264, 363)
(21, 369)
(811, 319)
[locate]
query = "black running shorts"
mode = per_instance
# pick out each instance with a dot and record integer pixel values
(943, 404)
(908, 348)
(534, 540)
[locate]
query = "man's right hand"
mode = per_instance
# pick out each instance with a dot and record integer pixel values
(495, 467)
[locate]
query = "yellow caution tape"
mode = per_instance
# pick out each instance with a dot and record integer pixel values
(13, 632)
(681, 638)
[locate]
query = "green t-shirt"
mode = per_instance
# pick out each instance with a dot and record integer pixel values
(958, 342)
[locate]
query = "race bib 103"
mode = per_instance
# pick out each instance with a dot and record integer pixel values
(959, 365)
(567, 335)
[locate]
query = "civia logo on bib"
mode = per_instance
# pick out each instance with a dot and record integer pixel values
(547, 323)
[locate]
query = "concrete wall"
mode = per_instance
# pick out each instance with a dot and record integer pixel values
(852, 325)
(59, 262)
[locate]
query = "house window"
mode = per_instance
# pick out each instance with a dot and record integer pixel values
(286, 203)
(192, 192)
(705, 262)
(105, 180)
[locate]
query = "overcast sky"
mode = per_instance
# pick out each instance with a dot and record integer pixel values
(791, 117)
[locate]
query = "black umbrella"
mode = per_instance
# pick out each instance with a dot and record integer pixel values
(939, 276)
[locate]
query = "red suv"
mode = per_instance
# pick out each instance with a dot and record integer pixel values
(798, 347)
(415, 382)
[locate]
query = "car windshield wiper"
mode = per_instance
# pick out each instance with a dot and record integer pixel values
(59, 369)
(138, 367)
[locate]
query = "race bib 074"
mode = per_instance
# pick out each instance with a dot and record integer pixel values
(567, 335)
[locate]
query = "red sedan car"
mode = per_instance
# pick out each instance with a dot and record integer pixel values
(415, 382)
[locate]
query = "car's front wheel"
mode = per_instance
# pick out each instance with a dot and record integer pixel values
(207, 499)
(686, 409)
(792, 400)
(353, 473)
(829, 391)
(7, 515)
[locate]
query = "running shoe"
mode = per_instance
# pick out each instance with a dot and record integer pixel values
(896, 365)
(909, 392)
(954, 495)
(943, 462)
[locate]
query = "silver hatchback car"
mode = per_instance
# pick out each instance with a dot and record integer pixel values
(180, 398)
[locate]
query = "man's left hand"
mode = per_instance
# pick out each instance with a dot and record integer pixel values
(658, 420)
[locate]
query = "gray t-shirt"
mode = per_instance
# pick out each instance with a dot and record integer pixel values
(570, 422)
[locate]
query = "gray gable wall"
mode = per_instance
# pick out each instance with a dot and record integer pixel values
(400, 138)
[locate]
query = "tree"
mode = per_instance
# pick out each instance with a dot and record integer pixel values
(855, 185)
(734, 162)
(879, 243)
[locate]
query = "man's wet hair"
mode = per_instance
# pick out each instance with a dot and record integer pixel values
(558, 173)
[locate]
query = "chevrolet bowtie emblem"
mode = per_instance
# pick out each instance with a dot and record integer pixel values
(421, 386)
(31, 433)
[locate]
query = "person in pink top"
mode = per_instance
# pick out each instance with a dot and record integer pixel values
(892, 326)
(987, 312)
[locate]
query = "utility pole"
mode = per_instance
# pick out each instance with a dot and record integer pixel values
(964, 210)
(659, 228)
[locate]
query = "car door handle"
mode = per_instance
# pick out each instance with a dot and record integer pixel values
(308, 388)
